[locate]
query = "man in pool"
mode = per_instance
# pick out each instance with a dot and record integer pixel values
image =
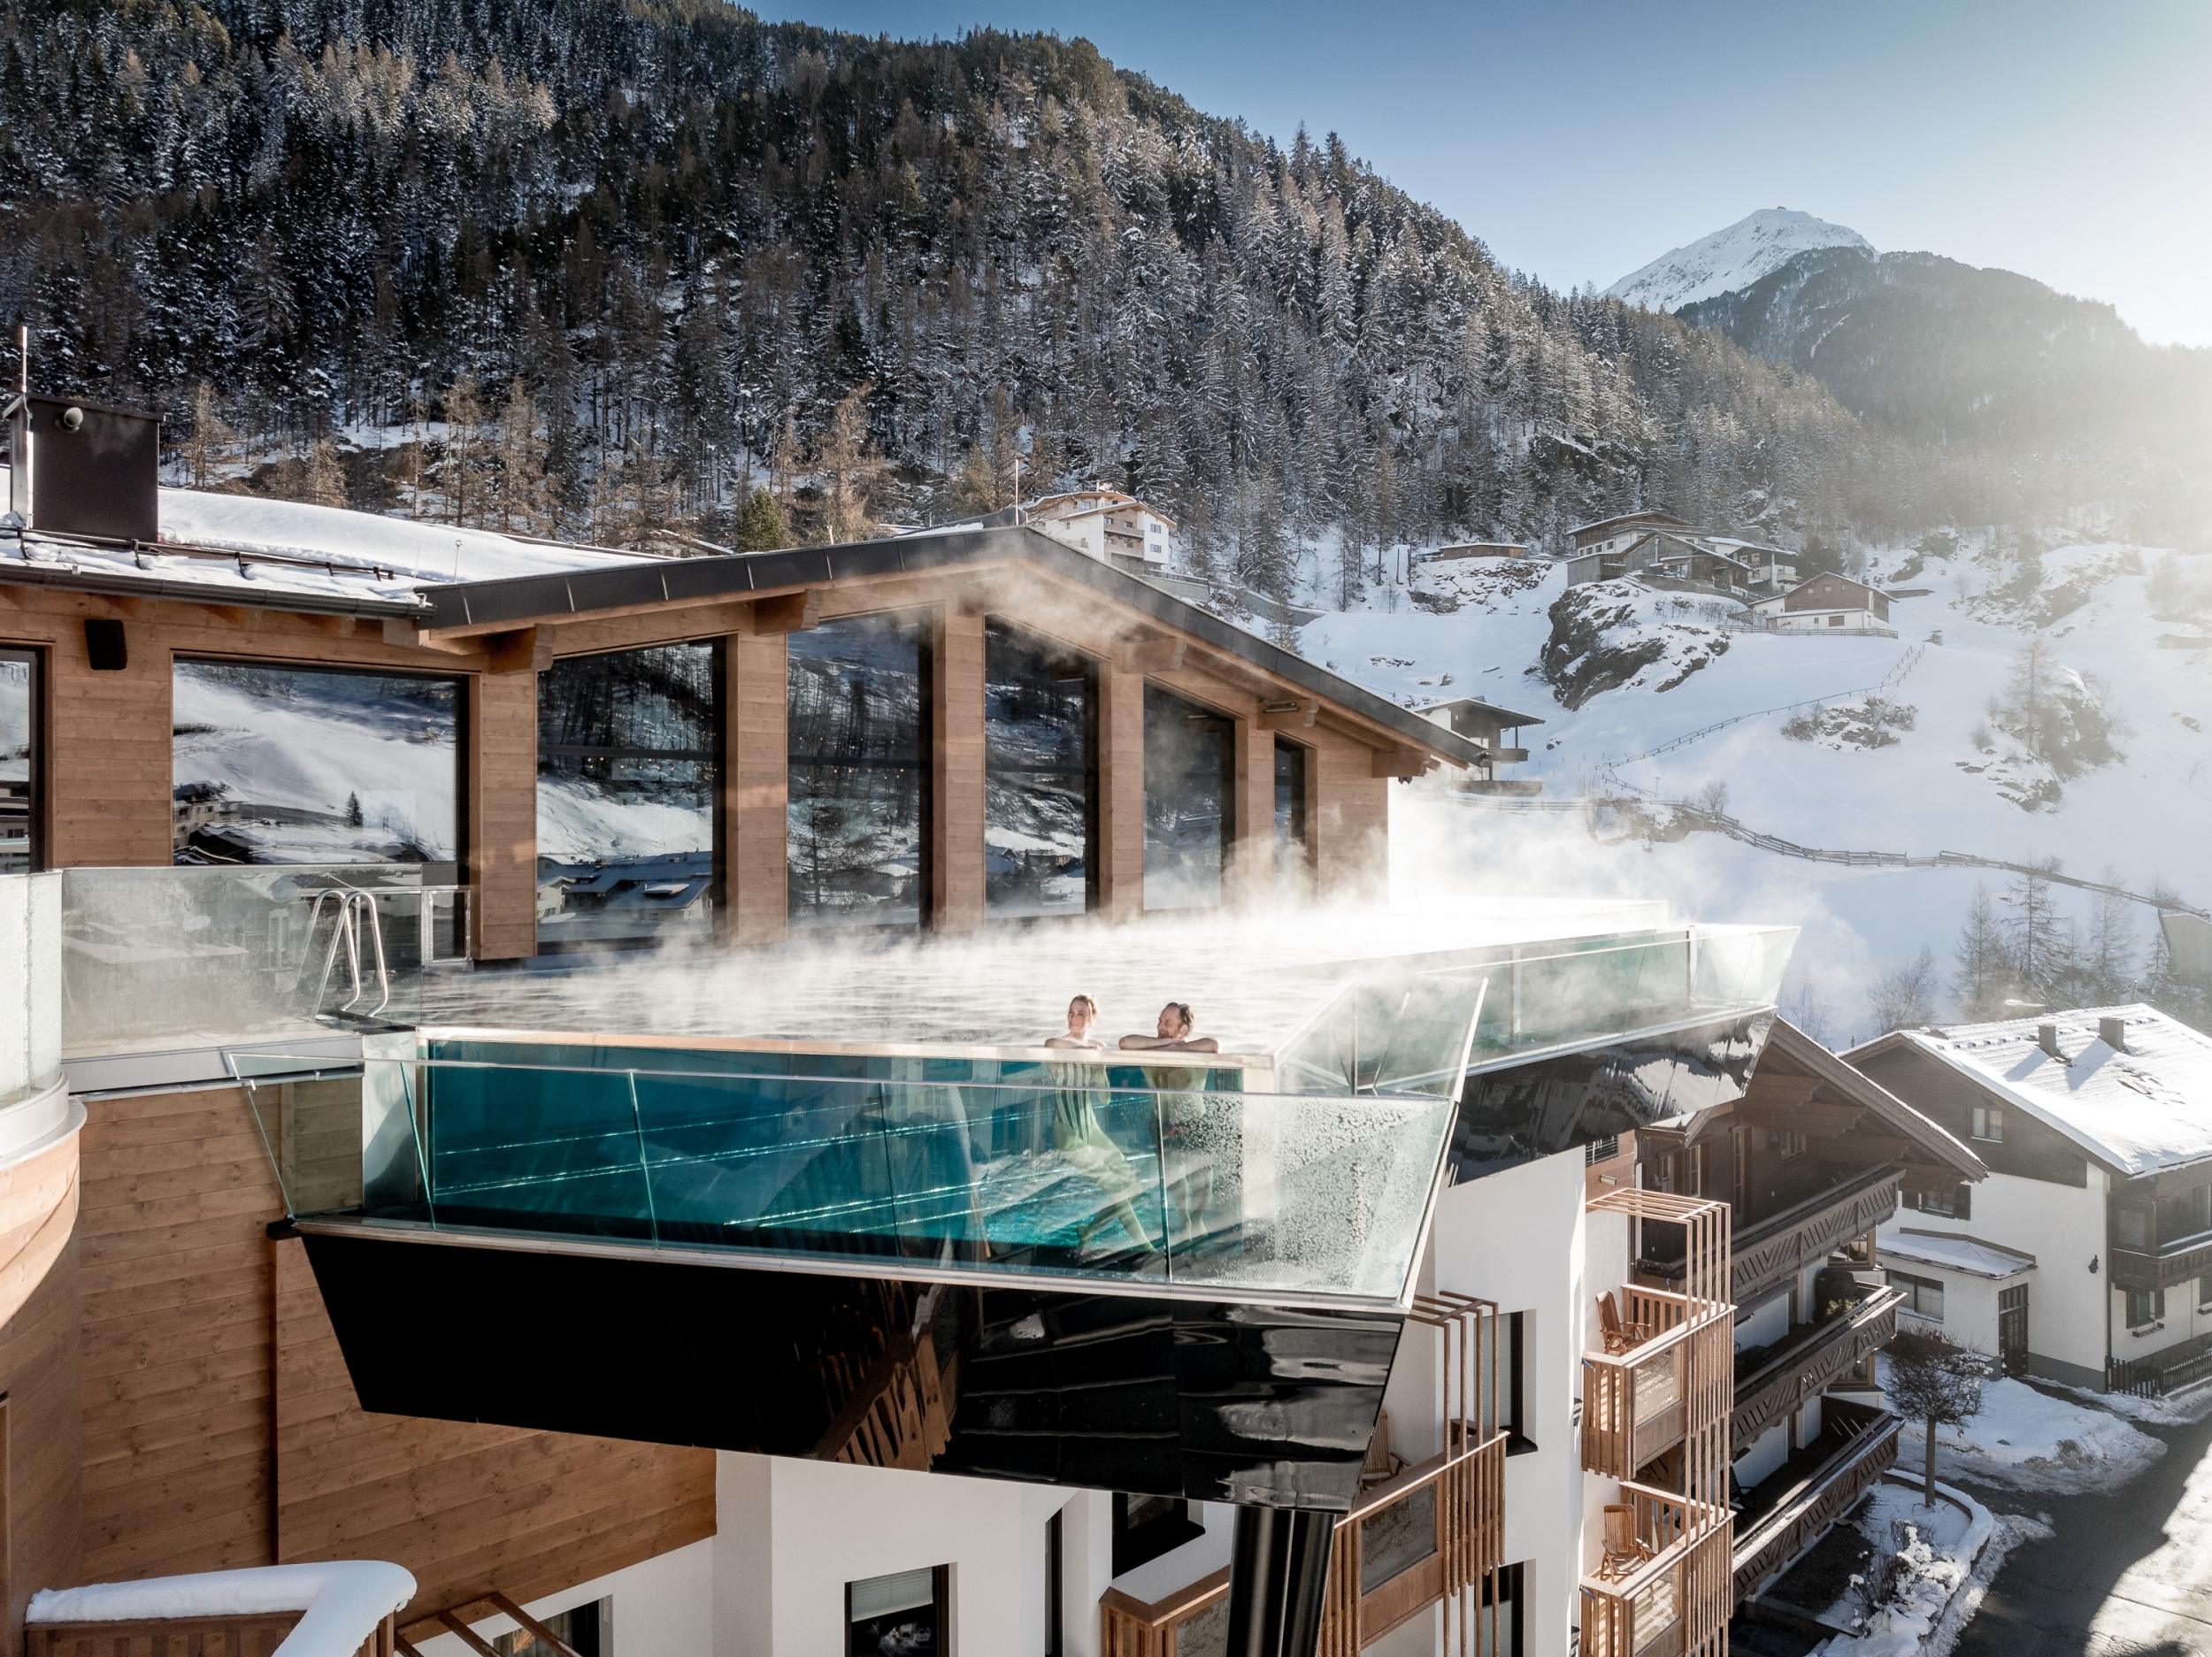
(1185, 1163)
(1174, 1034)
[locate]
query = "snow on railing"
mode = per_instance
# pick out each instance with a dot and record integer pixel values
(342, 1601)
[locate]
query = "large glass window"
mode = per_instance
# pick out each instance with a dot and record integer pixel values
(313, 766)
(1039, 788)
(1291, 760)
(856, 845)
(629, 755)
(18, 761)
(1188, 755)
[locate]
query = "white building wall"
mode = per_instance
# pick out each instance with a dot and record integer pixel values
(662, 1608)
(1518, 1237)
(2063, 1227)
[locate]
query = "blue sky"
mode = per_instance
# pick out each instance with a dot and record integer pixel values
(2072, 143)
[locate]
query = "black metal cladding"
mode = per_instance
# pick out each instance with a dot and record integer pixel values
(1519, 1114)
(1205, 1400)
(100, 476)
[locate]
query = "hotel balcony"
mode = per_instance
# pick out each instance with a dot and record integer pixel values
(1774, 1380)
(1786, 1511)
(1432, 1534)
(1672, 1371)
(1662, 1587)
(1768, 1250)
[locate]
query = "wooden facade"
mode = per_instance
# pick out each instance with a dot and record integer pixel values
(176, 1403)
(103, 797)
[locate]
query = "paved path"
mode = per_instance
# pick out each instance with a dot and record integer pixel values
(2128, 1574)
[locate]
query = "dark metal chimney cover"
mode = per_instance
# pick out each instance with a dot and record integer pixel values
(95, 469)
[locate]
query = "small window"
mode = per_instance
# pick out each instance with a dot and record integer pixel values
(1989, 1124)
(1602, 1150)
(1924, 1296)
(2131, 1227)
(2145, 1307)
(1835, 621)
(1146, 1527)
(582, 1628)
(1791, 1146)
(1954, 1204)
(2204, 1295)
(899, 1615)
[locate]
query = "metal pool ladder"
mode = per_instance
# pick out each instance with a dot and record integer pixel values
(355, 914)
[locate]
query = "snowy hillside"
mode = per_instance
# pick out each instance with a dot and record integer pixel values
(1904, 754)
(1731, 259)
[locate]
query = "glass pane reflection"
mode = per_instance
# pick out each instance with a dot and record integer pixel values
(1187, 751)
(310, 765)
(859, 773)
(18, 701)
(628, 764)
(1039, 784)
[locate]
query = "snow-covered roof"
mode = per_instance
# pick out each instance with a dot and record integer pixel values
(1102, 501)
(1442, 711)
(2136, 1112)
(1955, 1251)
(1648, 515)
(246, 549)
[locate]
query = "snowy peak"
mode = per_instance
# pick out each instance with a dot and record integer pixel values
(1731, 259)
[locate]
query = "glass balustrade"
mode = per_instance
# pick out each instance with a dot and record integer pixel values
(157, 958)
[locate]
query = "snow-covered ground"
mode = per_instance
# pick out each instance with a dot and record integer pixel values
(1946, 1556)
(2026, 1440)
(1945, 777)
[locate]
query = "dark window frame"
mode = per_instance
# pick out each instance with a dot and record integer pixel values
(1075, 664)
(2154, 1303)
(35, 733)
(926, 623)
(716, 755)
(1139, 1544)
(1914, 1284)
(940, 1609)
(1299, 832)
(1055, 1584)
(1226, 829)
(467, 687)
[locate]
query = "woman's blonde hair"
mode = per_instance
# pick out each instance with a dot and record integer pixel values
(1083, 1000)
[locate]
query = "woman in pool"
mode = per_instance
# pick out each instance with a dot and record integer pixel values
(1077, 1136)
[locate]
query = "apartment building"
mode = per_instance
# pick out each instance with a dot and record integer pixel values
(1108, 525)
(530, 1065)
(2086, 1257)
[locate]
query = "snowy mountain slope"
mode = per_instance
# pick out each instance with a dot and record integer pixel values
(1950, 781)
(1731, 259)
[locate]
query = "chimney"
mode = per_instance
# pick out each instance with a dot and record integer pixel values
(2114, 1033)
(2046, 1037)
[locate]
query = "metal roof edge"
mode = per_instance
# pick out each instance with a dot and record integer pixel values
(120, 584)
(521, 600)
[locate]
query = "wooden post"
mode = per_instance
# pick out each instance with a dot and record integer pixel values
(1248, 860)
(503, 842)
(1120, 850)
(956, 759)
(757, 784)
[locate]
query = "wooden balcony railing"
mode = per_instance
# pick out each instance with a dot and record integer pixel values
(1797, 1370)
(1769, 1251)
(1639, 1403)
(1428, 1535)
(1174, 1627)
(1779, 1536)
(1675, 1602)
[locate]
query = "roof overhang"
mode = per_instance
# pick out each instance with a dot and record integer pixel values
(519, 601)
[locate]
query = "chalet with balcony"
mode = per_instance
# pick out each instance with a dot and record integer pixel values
(1108, 525)
(1495, 733)
(2085, 1257)
(1807, 1165)
(1615, 534)
(1684, 560)
(1828, 603)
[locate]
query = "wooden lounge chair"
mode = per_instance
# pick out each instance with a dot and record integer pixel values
(1624, 1551)
(1619, 1336)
